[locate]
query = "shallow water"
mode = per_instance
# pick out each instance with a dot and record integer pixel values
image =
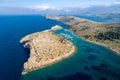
(90, 62)
(88, 59)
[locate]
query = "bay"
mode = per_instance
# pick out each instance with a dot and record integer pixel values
(90, 62)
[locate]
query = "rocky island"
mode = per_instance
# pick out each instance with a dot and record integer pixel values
(46, 48)
(106, 34)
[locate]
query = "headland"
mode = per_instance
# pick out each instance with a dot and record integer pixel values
(46, 48)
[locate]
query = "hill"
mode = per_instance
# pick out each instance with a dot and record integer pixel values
(46, 48)
(107, 34)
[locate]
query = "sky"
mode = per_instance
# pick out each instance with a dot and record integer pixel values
(16, 6)
(57, 3)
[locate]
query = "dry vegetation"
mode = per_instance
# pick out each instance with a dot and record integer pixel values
(45, 48)
(107, 34)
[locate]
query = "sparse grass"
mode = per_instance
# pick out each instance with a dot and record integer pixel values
(107, 34)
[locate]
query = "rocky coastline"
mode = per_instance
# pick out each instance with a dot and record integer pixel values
(46, 48)
(91, 31)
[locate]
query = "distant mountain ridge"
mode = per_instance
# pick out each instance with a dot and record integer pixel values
(91, 10)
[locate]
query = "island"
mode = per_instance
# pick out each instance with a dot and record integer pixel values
(46, 48)
(105, 34)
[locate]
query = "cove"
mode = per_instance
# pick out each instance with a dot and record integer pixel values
(89, 62)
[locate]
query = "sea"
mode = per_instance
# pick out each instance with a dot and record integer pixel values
(90, 61)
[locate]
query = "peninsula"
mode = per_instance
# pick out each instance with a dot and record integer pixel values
(46, 48)
(106, 34)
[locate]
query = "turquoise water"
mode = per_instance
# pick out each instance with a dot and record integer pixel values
(89, 62)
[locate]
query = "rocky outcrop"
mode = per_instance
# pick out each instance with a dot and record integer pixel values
(45, 48)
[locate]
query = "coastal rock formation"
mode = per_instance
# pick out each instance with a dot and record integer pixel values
(72, 20)
(106, 34)
(46, 48)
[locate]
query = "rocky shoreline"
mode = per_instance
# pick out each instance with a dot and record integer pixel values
(46, 48)
(88, 30)
(115, 51)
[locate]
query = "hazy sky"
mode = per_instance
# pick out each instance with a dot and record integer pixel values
(34, 6)
(57, 3)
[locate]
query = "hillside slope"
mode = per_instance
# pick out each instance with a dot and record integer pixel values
(107, 34)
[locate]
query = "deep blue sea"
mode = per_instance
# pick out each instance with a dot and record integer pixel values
(90, 62)
(12, 29)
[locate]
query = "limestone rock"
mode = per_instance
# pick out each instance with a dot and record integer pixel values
(45, 48)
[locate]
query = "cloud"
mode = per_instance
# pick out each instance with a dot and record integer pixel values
(85, 7)
(117, 2)
(43, 7)
(6, 1)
